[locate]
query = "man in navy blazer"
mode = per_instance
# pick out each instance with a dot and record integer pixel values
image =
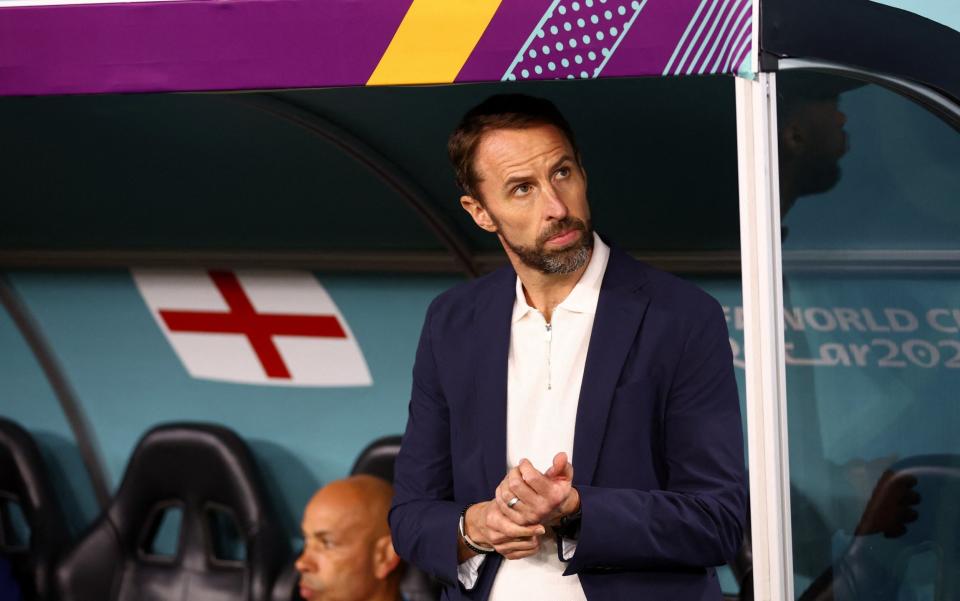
(657, 499)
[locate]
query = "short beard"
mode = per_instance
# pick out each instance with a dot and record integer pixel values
(555, 262)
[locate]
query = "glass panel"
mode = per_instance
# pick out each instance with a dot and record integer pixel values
(870, 200)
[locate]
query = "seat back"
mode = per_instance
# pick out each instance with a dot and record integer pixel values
(26, 493)
(378, 457)
(926, 559)
(209, 474)
(923, 561)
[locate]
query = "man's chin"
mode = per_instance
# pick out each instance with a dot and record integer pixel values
(564, 262)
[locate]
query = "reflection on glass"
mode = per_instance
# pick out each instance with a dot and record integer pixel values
(873, 347)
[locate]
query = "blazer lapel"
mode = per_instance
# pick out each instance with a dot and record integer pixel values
(620, 311)
(491, 332)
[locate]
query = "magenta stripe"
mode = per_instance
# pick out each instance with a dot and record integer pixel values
(692, 43)
(710, 34)
(736, 47)
(193, 45)
(747, 17)
(728, 18)
(651, 40)
(741, 55)
(265, 44)
(503, 38)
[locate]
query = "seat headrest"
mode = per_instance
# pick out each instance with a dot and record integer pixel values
(205, 471)
(378, 457)
(197, 464)
(22, 470)
(24, 479)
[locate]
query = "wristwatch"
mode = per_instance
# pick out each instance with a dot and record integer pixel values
(569, 526)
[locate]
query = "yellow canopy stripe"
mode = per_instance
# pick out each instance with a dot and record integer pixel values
(434, 41)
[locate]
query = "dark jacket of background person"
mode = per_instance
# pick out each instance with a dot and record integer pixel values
(9, 589)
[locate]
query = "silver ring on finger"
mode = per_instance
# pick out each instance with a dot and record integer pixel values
(513, 502)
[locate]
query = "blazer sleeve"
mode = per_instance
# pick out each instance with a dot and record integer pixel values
(423, 517)
(698, 519)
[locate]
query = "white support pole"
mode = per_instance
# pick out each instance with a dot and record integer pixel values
(764, 338)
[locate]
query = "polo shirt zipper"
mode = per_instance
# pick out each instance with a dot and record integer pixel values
(549, 345)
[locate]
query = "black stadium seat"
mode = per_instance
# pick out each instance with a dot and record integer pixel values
(288, 584)
(206, 472)
(25, 489)
(378, 458)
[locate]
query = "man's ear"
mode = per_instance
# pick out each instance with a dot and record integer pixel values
(385, 558)
(477, 212)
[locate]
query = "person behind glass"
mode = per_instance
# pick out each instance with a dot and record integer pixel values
(812, 135)
(574, 354)
(812, 142)
(348, 554)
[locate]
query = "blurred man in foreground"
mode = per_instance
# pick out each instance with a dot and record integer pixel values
(348, 553)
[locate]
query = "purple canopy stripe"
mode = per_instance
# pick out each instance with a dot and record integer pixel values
(610, 38)
(193, 45)
(504, 36)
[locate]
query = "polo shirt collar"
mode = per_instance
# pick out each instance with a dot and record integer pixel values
(585, 294)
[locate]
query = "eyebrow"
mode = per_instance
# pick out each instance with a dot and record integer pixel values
(516, 179)
(318, 533)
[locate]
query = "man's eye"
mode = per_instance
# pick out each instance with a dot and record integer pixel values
(522, 189)
(563, 171)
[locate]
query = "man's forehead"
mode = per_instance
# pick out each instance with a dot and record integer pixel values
(330, 515)
(503, 150)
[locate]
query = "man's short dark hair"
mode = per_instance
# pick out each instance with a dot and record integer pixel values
(502, 111)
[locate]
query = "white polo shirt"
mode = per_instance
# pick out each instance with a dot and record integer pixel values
(544, 373)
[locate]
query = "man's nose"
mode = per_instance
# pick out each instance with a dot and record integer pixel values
(304, 564)
(555, 207)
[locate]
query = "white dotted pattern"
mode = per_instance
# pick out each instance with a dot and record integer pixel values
(564, 29)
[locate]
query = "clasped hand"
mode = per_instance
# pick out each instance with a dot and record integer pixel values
(543, 498)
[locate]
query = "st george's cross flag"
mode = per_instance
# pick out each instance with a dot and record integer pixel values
(277, 328)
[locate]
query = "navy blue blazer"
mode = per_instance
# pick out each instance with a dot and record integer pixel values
(658, 446)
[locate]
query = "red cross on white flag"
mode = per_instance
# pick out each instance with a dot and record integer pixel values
(256, 327)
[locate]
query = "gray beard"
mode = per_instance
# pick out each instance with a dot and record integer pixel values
(567, 260)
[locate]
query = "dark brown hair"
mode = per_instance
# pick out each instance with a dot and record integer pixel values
(503, 111)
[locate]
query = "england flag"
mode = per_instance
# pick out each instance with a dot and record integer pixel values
(278, 328)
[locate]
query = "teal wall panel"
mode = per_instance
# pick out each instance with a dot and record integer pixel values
(128, 378)
(26, 398)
